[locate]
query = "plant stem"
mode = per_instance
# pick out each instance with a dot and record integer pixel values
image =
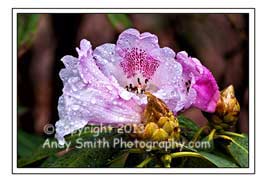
(232, 134)
(198, 133)
(145, 162)
(224, 137)
(211, 135)
(184, 154)
(135, 151)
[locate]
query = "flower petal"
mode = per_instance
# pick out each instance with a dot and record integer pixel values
(109, 62)
(132, 38)
(204, 83)
(168, 80)
(169, 71)
(134, 49)
(91, 97)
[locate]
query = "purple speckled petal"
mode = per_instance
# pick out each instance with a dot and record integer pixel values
(134, 49)
(207, 91)
(91, 97)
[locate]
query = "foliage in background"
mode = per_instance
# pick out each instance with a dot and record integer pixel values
(26, 27)
(119, 21)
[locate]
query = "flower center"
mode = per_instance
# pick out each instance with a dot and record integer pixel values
(138, 88)
(138, 61)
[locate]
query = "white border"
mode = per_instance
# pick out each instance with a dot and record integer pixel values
(137, 170)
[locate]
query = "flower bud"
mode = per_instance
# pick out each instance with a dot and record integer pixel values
(150, 129)
(169, 126)
(160, 135)
(166, 159)
(227, 110)
(160, 123)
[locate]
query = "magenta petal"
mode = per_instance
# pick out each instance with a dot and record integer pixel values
(204, 83)
(207, 92)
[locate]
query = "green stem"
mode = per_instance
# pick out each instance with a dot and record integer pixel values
(211, 135)
(232, 134)
(184, 154)
(198, 133)
(145, 162)
(135, 151)
(224, 137)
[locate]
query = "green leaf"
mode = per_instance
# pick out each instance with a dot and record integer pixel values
(43, 152)
(93, 156)
(27, 143)
(218, 160)
(119, 21)
(192, 162)
(85, 157)
(120, 161)
(27, 26)
(188, 127)
(39, 154)
(238, 148)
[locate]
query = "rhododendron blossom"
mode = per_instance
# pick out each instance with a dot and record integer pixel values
(107, 85)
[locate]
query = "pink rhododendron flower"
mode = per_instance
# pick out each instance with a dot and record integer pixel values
(107, 85)
(201, 81)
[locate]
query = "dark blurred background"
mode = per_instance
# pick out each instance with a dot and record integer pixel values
(220, 41)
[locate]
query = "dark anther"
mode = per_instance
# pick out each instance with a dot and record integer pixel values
(139, 80)
(130, 86)
(127, 88)
(146, 80)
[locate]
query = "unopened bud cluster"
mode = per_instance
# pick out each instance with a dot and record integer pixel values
(227, 110)
(160, 123)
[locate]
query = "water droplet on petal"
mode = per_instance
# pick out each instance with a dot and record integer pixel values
(109, 87)
(93, 101)
(125, 95)
(75, 107)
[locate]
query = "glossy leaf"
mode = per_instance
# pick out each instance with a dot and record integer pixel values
(239, 150)
(188, 127)
(218, 160)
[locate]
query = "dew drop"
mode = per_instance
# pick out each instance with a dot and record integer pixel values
(93, 101)
(75, 107)
(110, 88)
